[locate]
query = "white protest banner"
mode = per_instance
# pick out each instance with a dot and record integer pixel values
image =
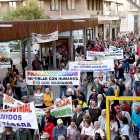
(60, 109)
(21, 116)
(4, 55)
(105, 55)
(38, 38)
(90, 66)
(52, 77)
(9, 102)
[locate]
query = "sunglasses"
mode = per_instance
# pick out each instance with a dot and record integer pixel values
(47, 112)
(101, 77)
(94, 91)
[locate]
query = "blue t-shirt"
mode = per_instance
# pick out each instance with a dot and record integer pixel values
(7, 136)
(20, 133)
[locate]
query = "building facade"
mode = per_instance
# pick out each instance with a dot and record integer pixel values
(105, 10)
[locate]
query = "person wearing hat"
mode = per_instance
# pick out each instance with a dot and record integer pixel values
(124, 130)
(137, 81)
(60, 129)
(38, 98)
(69, 93)
(45, 136)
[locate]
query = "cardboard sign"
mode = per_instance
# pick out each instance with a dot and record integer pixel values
(21, 116)
(52, 77)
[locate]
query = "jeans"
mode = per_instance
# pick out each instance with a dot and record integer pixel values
(85, 93)
(127, 67)
(136, 86)
(137, 132)
(23, 93)
(61, 91)
(132, 82)
(50, 67)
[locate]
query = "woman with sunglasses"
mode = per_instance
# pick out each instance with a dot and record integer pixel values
(9, 134)
(93, 96)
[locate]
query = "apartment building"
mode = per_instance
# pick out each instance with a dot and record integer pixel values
(105, 10)
(131, 22)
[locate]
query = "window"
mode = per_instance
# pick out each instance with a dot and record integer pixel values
(96, 5)
(70, 4)
(92, 4)
(99, 4)
(54, 5)
(12, 5)
(88, 5)
(107, 6)
(41, 4)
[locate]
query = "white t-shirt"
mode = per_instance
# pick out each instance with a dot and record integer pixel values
(137, 77)
(98, 131)
(35, 52)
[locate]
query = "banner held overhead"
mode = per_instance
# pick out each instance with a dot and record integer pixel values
(90, 66)
(52, 77)
(105, 55)
(23, 116)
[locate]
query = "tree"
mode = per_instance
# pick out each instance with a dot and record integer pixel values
(29, 10)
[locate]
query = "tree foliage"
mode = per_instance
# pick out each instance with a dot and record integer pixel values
(29, 10)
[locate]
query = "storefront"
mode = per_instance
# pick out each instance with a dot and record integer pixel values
(107, 31)
(100, 31)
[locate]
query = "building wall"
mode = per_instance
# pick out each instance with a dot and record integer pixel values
(64, 11)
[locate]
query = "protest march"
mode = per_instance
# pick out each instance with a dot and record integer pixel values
(70, 102)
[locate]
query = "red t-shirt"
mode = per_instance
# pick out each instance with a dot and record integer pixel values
(127, 108)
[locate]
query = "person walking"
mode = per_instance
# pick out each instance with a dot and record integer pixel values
(137, 81)
(84, 86)
(132, 72)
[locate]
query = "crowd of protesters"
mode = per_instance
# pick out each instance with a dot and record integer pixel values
(89, 120)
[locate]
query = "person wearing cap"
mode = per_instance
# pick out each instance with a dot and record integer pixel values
(132, 72)
(43, 123)
(45, 136)
(38, 98)
(137, 81)
(60, 129)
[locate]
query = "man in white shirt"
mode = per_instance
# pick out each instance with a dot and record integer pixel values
(101, 80)
(137, 81)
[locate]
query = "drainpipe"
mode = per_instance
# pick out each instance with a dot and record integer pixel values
(60, 8)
